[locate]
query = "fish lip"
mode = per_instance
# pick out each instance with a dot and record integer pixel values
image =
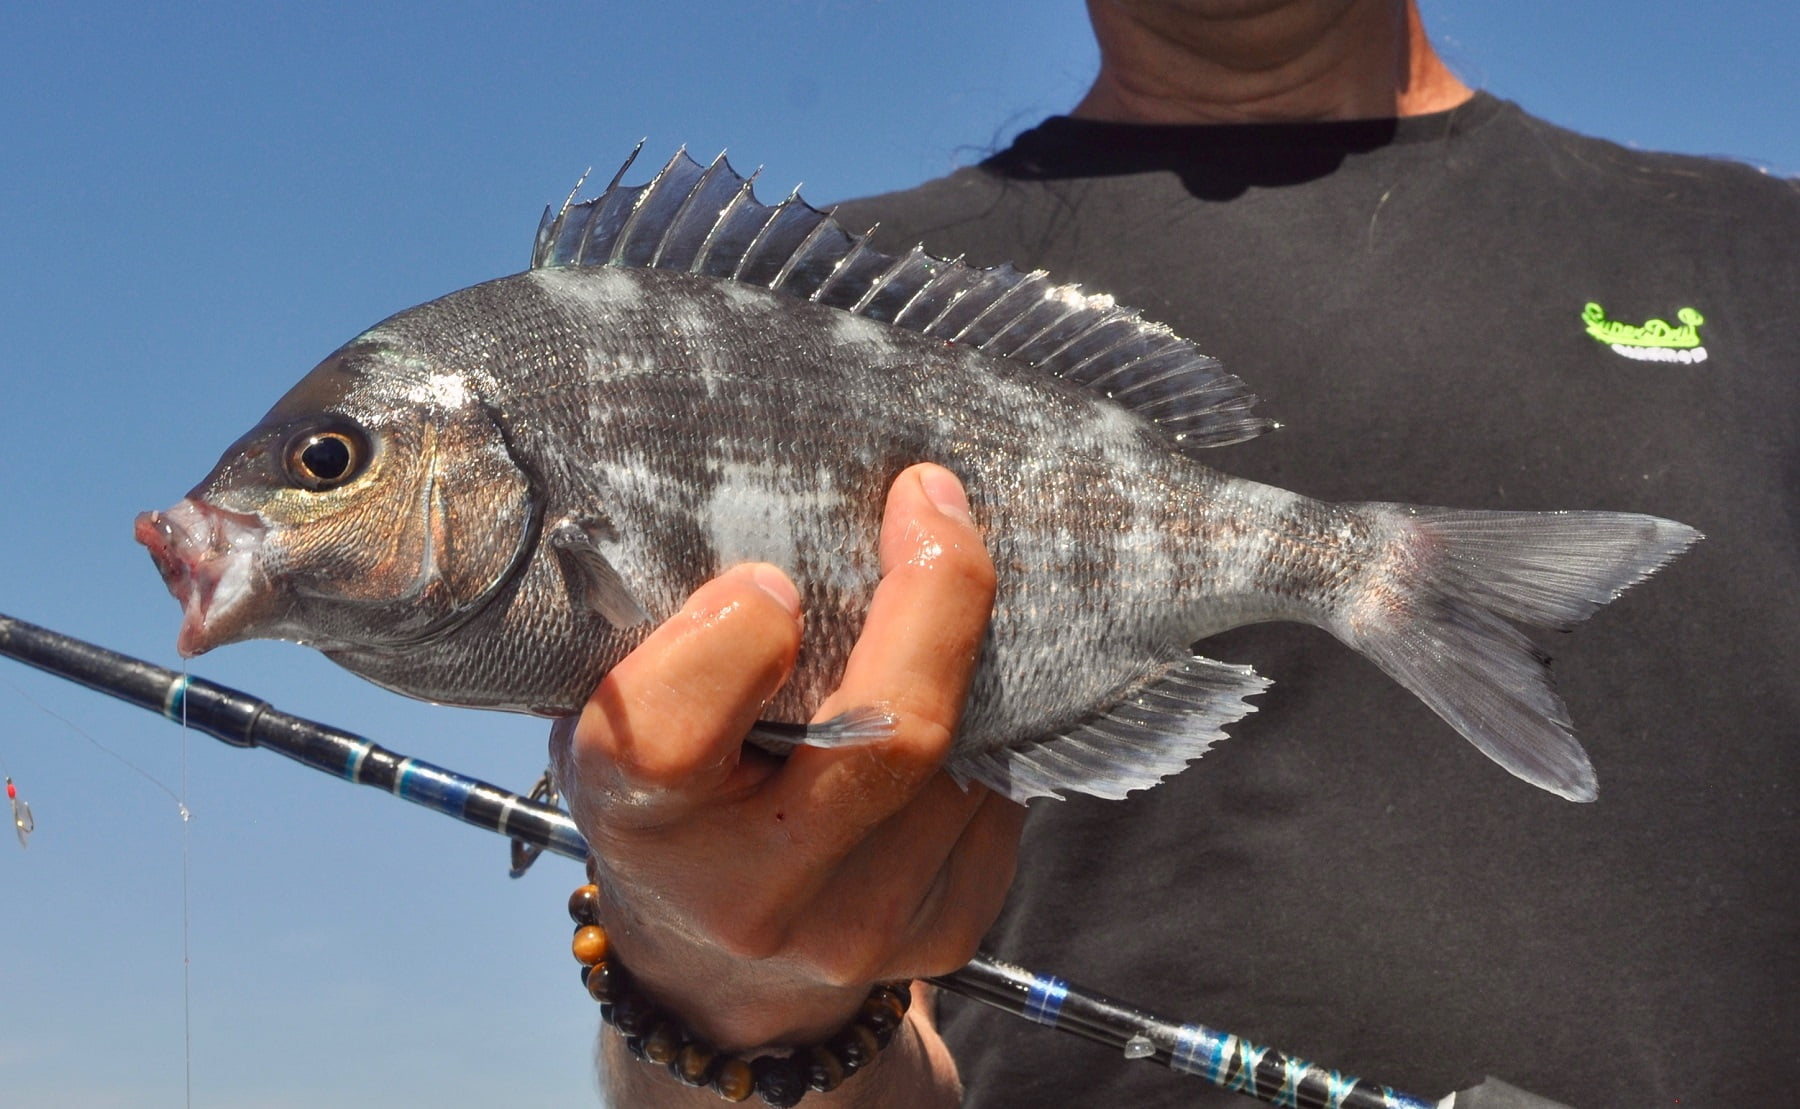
(207, 557)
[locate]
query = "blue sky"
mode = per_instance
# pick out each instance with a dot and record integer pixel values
(198, 204)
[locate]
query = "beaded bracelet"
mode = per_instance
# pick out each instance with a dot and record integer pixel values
(654, 1036)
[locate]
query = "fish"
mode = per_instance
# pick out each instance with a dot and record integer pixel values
(488, 500)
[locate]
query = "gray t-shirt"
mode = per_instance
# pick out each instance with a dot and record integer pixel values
(1458, 309)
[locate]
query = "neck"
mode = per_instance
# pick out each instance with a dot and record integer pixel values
(1264, 61)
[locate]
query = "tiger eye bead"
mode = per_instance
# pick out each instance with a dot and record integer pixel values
(584, 905)
(694, 1064)
(779, 1081)
(855, 1046)
(734, 1082)
(824, 1072)
(603, 982)
(887, 999)
(589, 944)
(899, 992)
(663, 1043)
(881, 1016)
(653, 1036)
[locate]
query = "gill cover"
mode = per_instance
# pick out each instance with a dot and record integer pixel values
(394, 511)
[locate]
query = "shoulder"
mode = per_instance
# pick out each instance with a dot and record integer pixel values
(962, 195)
(967, 212)
(1647, 180)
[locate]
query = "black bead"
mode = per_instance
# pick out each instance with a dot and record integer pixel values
(633, 1014)
(779, 1081)
(879, 1015)
(635, 1045)
(884, 1034)
(848, 1057)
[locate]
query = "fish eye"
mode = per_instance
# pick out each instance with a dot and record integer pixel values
(326, 458)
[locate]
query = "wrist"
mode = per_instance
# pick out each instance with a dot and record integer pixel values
(782, 1070)
(914, 1072)
(739, 1002)
(765, 1021)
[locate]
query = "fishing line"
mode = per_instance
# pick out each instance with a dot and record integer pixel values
(181, 807)
(101, 747)
(241, 720)
(187, 1018)
(23, 821)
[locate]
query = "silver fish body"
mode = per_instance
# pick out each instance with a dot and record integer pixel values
(490, 499)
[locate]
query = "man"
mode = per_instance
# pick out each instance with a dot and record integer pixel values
(1446, 302)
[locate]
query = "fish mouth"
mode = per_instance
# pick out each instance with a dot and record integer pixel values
(207, 557)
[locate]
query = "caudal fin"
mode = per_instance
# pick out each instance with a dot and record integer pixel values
(1435, 618)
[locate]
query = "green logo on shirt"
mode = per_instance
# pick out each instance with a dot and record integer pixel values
(1651, 341)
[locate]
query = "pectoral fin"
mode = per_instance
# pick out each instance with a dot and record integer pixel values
(847, 729)
(577, 542)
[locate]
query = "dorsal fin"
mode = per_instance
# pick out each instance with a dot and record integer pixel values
(707, 220)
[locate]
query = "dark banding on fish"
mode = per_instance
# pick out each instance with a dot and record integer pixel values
(688, 378)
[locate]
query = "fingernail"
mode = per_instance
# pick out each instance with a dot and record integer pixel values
(776, 584)
(945, 492)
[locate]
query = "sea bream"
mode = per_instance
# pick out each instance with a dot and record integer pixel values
(489, 499)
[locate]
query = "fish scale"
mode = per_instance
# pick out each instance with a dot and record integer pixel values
(490, 499)
(988, 456)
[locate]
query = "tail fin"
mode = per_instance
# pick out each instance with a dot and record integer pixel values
(1433, 619)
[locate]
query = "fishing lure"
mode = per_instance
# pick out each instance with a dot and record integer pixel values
(21, 813)
(242, 720)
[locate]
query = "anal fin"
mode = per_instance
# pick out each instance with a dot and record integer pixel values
(1135, 744)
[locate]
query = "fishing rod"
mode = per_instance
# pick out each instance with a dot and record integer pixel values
(242, 720)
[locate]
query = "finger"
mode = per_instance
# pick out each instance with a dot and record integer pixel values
(954, 914)
(971, 890)
(914, 659)
(664, 729)
(927, 884)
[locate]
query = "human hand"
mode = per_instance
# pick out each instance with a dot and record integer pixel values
(758, 898)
